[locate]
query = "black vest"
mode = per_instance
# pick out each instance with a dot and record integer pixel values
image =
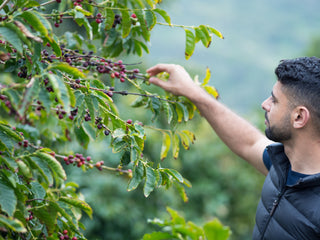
(287, 212)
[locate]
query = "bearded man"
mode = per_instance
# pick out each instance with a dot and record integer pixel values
(289, 152)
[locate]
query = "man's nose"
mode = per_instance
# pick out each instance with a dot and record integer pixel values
(266, 104)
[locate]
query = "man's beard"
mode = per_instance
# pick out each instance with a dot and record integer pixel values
(280, 132)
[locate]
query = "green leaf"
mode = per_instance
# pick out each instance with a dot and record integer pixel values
(125, 158)
(151, 3)
(35, 22)
(81, 136)
(47, 215)
(155, 107)
(32, 91)
(42, 167)
(151, 19)
(175, 146)
(166, 143)
(8, 199)
(184, 111)
(163, 14)
(24, 169)
(212, 91)
(175, 174)
(157, 236)
(109, 18)
(143, 25)
(13, 224)
(150, 182)
(182, 192)
(184, 140)
(82, 20)
(71, 95)
(207, 77)
(55, 46)
(43, 20)
(44, 98)
(138, 102)
(38, 191)
(180, 112)
(12, 37)
(203, 34)
(64, 213)
(90, 107)
(53, 163)
(7, 130)
(216, 32)
(78, 204)
(125, 22)
(191, 108)
(84, 12)
(168, 110)
(175, 217)
(191, 135)
(138, 174)
(190, 43)
(66, 68)
(215, 230)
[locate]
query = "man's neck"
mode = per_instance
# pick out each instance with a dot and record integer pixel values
(304, 156)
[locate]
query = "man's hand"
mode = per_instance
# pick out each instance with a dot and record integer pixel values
(179, 82)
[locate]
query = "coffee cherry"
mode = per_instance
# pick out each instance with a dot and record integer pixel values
(106, 132)
(98, 20)
(25, 143)
(74, 238)
(56, 25)
(129, 121)
(133, 15)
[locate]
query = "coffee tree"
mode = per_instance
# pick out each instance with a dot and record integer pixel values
(61, 68)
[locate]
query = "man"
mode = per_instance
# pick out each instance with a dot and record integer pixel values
(289, 207)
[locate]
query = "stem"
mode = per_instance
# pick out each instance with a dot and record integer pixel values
(46, 3)
(4, 3)
(115, 169)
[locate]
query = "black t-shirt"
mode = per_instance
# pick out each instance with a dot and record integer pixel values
(292, 178)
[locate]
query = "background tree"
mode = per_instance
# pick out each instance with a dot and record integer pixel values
(60, 91)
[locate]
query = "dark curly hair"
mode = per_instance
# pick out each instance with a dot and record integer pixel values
(301, 78)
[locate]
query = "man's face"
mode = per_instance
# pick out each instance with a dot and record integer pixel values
(277, 116)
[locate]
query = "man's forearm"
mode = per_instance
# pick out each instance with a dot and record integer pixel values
(238, 134)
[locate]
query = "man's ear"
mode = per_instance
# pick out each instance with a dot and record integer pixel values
(301, 115)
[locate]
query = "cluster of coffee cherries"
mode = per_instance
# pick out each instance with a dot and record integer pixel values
(65, 236)
(6, 101)
(88, 61)
(78, 160)
(30, 216)
(99, 18)
(23, 73)
(57, 18)
(117, 20)
(77, 3)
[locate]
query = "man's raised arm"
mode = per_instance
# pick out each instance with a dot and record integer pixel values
(239, 135)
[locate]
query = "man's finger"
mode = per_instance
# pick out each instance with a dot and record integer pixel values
(159, 68)
(158, 82)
